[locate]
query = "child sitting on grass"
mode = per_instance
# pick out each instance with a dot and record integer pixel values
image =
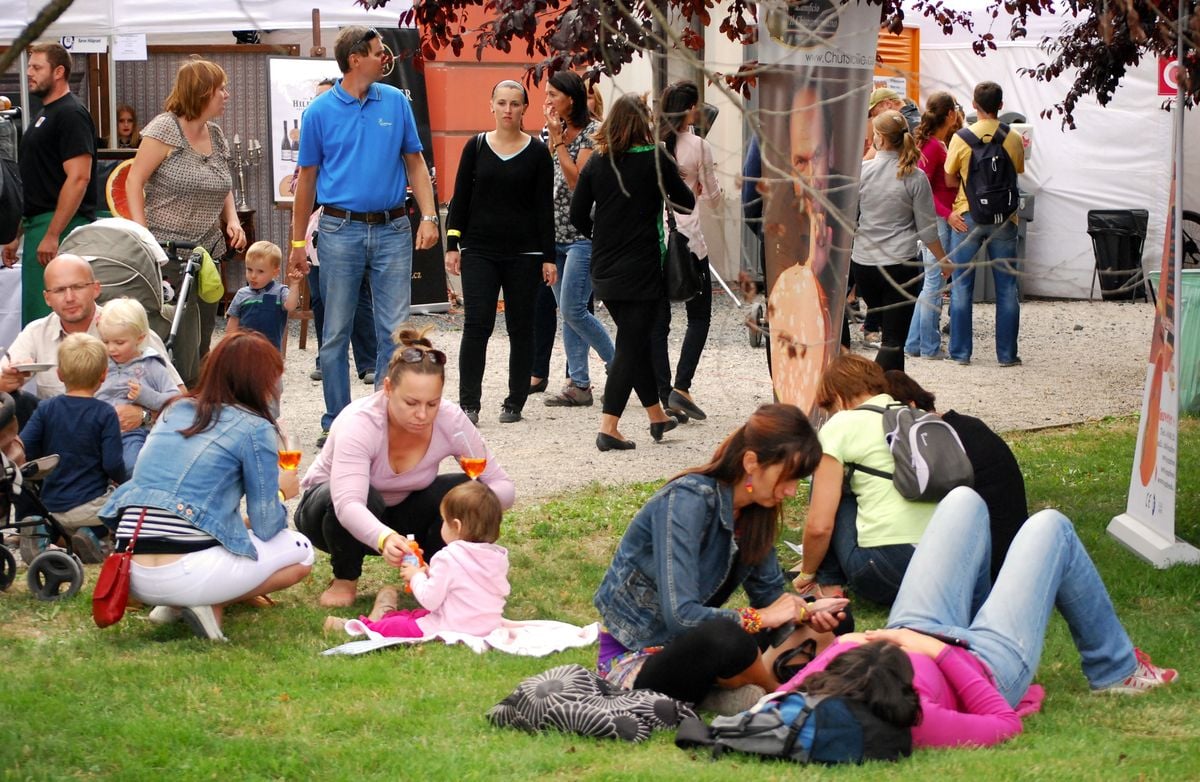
(86, 435)
(136, 372)
(465, 585)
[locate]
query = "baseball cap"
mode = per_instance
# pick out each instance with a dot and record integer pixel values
(882, 94)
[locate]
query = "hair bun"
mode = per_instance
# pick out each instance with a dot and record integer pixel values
(406, 336)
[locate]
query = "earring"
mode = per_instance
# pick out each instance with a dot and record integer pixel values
(749, 487)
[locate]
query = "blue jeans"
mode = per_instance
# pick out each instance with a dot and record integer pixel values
(581, 329)
(1001, 244)
(873, 573)
(350, 251)
(131, 445)
(362, 337)
(1046, 567)
(924, 337)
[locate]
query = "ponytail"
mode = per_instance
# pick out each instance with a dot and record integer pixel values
(909, 155)
(893, 128)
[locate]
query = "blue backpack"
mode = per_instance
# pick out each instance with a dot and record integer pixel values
(802, 728)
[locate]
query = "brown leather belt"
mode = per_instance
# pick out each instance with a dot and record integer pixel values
(370, 218)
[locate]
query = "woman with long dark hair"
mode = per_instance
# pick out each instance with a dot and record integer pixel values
(895, 209)
(937, 124)
(678, 111)
(973, 653)
(500, 237)
(571, 130)
(705, 533)
(194, 553)
(626, 181)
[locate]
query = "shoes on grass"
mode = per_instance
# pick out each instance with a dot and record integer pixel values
(164, 615)
(88, 547)
(1145, 677)
(203, 622)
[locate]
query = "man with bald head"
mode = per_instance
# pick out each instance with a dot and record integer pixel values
(70, 291)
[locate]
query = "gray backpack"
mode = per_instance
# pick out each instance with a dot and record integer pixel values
(930, 458)
(802, 728)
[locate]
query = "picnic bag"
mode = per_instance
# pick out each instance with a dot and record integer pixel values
(111, 595)
(991, 185)
(929, 456)
(802, 728)
(681, 271)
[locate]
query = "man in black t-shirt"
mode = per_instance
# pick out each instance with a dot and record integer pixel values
(58, 173)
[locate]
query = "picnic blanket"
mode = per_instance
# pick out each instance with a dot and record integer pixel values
(533, 638)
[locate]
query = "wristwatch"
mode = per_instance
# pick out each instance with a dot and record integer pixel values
(146, 417)
(430, 219)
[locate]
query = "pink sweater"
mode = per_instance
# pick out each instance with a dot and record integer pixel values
(960, 706)
(355, 458)
(464, 590)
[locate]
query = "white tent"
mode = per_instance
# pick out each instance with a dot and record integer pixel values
(115, 17)
(1118, 157)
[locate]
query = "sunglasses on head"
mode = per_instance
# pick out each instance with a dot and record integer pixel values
(365, 39)
(417, 355)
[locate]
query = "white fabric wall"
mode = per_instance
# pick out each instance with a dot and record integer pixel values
(1118, 157)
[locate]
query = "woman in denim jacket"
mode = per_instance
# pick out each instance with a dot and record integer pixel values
(700, 537)
(195, 553)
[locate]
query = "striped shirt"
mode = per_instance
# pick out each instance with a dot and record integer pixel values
(162, 533)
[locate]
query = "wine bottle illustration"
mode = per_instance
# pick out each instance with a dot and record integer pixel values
(285, 149)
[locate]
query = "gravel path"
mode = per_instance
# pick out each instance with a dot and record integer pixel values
(1082, 360)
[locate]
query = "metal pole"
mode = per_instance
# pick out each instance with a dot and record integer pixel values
(113, 134)
(26, 114)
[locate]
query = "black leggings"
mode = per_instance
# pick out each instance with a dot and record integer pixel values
(699, 316)
(688, 667)
(893, 289)
(632, 366)
(483, 277)
(417, 515)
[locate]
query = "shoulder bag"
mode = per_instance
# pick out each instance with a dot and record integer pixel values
(112, 587)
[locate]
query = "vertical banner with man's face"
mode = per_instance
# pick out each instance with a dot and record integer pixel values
(817, 59)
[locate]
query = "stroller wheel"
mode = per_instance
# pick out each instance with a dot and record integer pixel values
(8, 568)
(756, 324)
(54, 575)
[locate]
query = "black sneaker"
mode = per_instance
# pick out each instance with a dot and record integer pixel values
(509, 415)
(321, 440)
(472, 415)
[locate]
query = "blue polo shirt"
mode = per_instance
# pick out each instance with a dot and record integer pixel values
(359, 147)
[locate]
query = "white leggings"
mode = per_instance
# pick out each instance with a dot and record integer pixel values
(216, 575)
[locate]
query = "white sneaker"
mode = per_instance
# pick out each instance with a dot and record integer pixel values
(1145, 677)
(203, 622)
(164, 615)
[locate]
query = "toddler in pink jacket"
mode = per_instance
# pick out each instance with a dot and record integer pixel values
(465, 585)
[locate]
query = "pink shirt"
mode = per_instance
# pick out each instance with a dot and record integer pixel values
(355, 458)
(694, 157)
(959, 704)
(933, 163)
(465, 589)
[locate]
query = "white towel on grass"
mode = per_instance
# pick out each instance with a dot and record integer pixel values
(533, 638)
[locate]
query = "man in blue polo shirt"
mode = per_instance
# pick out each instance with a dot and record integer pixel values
(358, 153)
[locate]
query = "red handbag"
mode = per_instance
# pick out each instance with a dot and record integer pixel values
(112, 587)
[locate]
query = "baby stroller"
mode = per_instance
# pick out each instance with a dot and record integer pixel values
(55, 573)
(127, 261)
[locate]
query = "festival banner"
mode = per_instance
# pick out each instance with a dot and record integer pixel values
(818, 61)
(1147, 527)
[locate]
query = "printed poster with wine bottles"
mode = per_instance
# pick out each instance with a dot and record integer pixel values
(293, 84)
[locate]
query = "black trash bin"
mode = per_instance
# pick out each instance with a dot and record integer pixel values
(1117, 239)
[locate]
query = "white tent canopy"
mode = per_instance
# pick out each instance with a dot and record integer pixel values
(114, 17)
(1118, 157)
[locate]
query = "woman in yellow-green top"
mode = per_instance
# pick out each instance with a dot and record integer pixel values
(862, 539)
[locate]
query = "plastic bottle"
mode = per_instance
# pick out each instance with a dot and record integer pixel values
(413, 557)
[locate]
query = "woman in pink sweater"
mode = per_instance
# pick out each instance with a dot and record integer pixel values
(974, 653)
(377, 479)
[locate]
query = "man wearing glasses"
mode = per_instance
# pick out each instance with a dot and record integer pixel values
(358, 154)
(71, 293)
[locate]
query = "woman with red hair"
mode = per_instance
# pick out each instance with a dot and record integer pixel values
(195, 553)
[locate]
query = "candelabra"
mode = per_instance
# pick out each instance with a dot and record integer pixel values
(241, 162)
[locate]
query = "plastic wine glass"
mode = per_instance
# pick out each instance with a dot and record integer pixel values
(289, 452)
(471, 464)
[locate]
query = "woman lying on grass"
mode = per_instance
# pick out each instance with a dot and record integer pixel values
(974, 687)
(700, 537)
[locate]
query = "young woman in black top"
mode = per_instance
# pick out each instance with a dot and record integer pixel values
(625, 181)
(500, 235)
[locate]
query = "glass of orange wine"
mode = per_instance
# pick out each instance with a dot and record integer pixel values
(471, 464)
(289, 453)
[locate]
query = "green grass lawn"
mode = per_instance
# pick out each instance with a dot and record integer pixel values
(137, 701)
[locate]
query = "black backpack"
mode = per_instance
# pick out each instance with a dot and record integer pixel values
(991, 184)
(802, 728)
(929, 456)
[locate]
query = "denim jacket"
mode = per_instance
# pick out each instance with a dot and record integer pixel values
(203, 478)
(677, 552)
